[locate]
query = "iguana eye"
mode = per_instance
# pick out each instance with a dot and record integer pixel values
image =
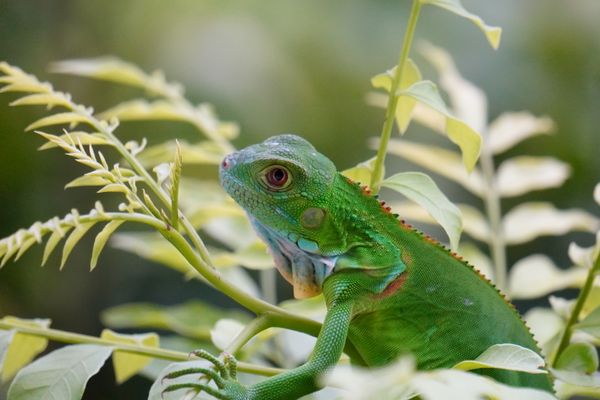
(276, 178)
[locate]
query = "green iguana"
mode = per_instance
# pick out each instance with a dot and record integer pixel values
(389, 289)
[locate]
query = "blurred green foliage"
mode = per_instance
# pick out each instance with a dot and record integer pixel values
(272, 66)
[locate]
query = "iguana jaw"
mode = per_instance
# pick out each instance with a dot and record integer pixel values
(305, 271)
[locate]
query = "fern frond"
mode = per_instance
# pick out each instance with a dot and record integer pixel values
(15, 245)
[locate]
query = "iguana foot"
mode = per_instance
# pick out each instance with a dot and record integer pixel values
(223, 374)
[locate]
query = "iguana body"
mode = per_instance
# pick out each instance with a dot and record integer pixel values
(389, 289)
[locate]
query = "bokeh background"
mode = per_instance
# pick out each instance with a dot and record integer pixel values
(273, 67)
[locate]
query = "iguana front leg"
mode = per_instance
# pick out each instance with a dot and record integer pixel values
(291, 384)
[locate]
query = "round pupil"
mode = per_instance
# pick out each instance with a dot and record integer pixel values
(277, 176)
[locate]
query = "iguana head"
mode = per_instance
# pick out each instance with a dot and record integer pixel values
(284, 185)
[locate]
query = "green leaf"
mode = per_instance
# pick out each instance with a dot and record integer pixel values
(77, 137)
(492, 33)
(410, 75)
(70, 118)
(590, 324)
(182, 318)
(458, 132)
(597, 194)
(61, 374)
(101, 240)
(506, 356)
(536, 275)
(578, 357)
(126, 364)
(22, 348)
(421, 189)
(75, 236)
(56, 237)
(362, 171)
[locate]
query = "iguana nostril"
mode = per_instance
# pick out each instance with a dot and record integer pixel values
(227, 162)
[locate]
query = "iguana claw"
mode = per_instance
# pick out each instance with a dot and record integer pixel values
(223, 374)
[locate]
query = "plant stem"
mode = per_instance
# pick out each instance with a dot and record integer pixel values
(171, 355)
(574, 317)
(386, 132)
(256, 326)
(494, 214)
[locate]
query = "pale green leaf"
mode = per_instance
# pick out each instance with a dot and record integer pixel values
(158, 387)
(101, 240)
(583, 256)
(461, 385)
(114, 188)
(527, 221)
(224, 332)
(578, 378)
(28, 86)
(511, 128)
(546, 326)
(506, 356)
(578, 357)
(597, 194)
(474, 223)
(400, 381)
(561, 306)
(536, 276)
(151, 247)
(492, 33)
(466, 138)
(62, 374)
(69, 118)
(115, 70)
(468, 102)
(590, 324)
(22, 348)
(566, 390)
(201, 153)
(478, 259)
(77, 137)
(182, 318)
(523, 174)
(126, 364)
(56, 236)
(142, 110)
(25, 245)
(421, 189)
(6, 338)
(87, 180)
(362, 172)
(444, 162)
(254, 256)
(80, 230)
(458, 132)
(47, 99)
(405, 106)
